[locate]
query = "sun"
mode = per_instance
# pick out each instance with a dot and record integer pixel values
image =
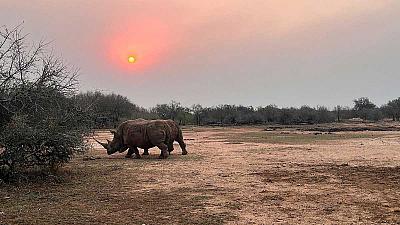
(131, 59)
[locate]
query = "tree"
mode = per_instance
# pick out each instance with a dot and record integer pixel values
(175, 108)
(394, 109)
(197, 111)
(363, 103)
(41, 124)
(109, 109)
(288, 116)
(307, 115)
(338, 110)
(184, 116)
(269, 113)
(168, 111)
(364, 107)
(324, 115)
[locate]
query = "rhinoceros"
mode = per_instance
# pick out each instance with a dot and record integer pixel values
(140, 133)
(176, 135)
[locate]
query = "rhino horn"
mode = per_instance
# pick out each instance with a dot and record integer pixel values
(102, 144)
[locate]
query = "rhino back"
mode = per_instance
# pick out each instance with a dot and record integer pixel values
(158, 131)
(134, 134)
(174, 129)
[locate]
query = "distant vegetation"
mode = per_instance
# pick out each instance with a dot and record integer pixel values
(111, 109)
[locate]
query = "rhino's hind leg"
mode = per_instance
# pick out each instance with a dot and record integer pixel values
(146, 151)
(164, 150)
(181, 142)
(183, 146)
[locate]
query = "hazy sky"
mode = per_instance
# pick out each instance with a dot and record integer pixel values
(249, 52)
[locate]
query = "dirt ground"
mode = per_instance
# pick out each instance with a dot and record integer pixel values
(232, 175)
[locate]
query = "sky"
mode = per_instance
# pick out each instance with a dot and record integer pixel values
(211, 52)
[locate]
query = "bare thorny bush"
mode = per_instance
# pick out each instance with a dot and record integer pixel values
(41, 124)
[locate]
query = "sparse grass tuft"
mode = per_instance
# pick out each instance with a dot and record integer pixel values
(288, 137)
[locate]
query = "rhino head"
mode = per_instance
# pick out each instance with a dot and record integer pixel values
(116, 145)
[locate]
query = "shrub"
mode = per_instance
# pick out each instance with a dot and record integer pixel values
(42, 125)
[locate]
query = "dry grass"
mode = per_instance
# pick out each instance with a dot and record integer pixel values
(231, 176)
(287, 137)
(105, 192)
(369, 193)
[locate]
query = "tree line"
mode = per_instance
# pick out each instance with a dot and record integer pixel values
(110, 109)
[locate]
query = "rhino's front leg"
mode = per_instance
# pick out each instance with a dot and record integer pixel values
(137, 154)
(131, 151)
(164, 150)
(170, 147)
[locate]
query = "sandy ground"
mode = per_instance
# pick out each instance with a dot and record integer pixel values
(231, 176)
(351, 181)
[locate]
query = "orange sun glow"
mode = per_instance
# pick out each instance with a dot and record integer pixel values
(138, 45)
(131, 59)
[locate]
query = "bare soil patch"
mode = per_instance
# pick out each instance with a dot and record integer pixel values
(363, 191)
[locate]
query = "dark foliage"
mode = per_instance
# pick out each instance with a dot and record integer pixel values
(41, 126)
(237, 115)
(109, 110)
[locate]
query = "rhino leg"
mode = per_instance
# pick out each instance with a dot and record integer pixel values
(137, 154)
(130, 153)
(183, 146)
(170, 147)
(146, 151)
(164, 150)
